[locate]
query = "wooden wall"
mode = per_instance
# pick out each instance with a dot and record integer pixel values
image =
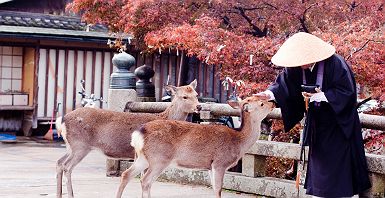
(169, 64)
(60, 72)
(29, 73)
(59, 75)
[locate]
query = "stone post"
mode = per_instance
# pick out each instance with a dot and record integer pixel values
(27, 123)
(145, 92)
(302, 168)
(378, 188)
(145, 88)
(122, 91)
(206, 115)
(254, 165)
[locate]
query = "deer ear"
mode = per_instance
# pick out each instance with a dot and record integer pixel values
(246, 107)
(234, 104)
(193, 83)
(171, 89)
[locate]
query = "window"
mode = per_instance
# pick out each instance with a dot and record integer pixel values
(11, 69)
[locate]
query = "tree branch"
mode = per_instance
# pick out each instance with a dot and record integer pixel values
(270, 5)
(302, 19)
(227, 22)
(256, 30)
(381, 7)
(363, 47)
(353, 5)
(256, 8)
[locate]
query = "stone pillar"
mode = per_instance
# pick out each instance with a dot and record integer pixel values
(145, 88)
(206, 116)
(145, 92)
(254, 165)
(118, 98)
(378, 188)
(122, 84)
(302, 168)
(122, 91)
(27, 123)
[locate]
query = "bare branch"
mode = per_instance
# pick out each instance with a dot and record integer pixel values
(302, 19)
(363, 47)
(353, 5)
(256, 8)
(270, 5)
(381, 7)
(256, 30)
(227, 22)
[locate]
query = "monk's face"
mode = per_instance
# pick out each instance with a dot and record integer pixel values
(307, 66)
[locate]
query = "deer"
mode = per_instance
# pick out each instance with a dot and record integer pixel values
(217, 148)
(86, 129)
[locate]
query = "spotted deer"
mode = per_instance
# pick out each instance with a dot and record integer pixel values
(217, 148)
(85, 129)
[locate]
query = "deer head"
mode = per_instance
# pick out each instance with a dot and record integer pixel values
(255, 105)
(184, 97)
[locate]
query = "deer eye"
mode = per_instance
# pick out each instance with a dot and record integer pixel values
(185, 97)
(261, 104)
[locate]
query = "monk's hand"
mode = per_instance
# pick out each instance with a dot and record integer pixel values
(319, 96)
(307, 95)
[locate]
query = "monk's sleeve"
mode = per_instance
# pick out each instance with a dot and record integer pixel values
(341, 95)
(287, 93)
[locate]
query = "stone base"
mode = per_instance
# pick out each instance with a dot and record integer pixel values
(118, 98)
(112, 168)
(266, 186)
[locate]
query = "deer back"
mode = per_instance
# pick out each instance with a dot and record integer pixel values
(105, 130)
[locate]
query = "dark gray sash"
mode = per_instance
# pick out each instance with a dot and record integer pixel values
(307, 129)
(320, 75)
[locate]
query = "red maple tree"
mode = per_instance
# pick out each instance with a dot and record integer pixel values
(242, 36)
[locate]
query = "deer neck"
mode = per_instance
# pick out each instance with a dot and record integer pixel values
(173, 112)
(250, 131)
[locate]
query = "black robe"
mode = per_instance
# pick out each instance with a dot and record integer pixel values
(337, 165)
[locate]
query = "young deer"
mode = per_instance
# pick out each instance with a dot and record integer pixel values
(160, 143)
(85, 129)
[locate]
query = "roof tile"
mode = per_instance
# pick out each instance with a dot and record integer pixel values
(27, 19)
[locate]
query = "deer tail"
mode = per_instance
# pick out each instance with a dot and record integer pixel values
(60, 127)
(137, 141)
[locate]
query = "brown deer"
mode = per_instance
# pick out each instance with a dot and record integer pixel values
(217, 148)
(85, 129)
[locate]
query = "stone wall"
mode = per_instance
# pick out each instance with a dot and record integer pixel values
(252, 181)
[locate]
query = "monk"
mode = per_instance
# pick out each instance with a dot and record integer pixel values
(337, 165)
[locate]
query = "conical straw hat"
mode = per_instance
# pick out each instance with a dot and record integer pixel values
(302, 49)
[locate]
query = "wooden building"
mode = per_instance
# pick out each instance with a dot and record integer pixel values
(44, 54)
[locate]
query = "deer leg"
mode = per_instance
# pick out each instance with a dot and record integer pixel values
(59, 175)
(73, 159)
(218, 174)
(150, 176)
(139, 165)
(211, 177)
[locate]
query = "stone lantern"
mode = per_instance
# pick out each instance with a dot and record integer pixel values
(123, 78)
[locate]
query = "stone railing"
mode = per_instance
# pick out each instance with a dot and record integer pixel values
(252, 179)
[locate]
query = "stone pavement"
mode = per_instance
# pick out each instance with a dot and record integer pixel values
(28, 171)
